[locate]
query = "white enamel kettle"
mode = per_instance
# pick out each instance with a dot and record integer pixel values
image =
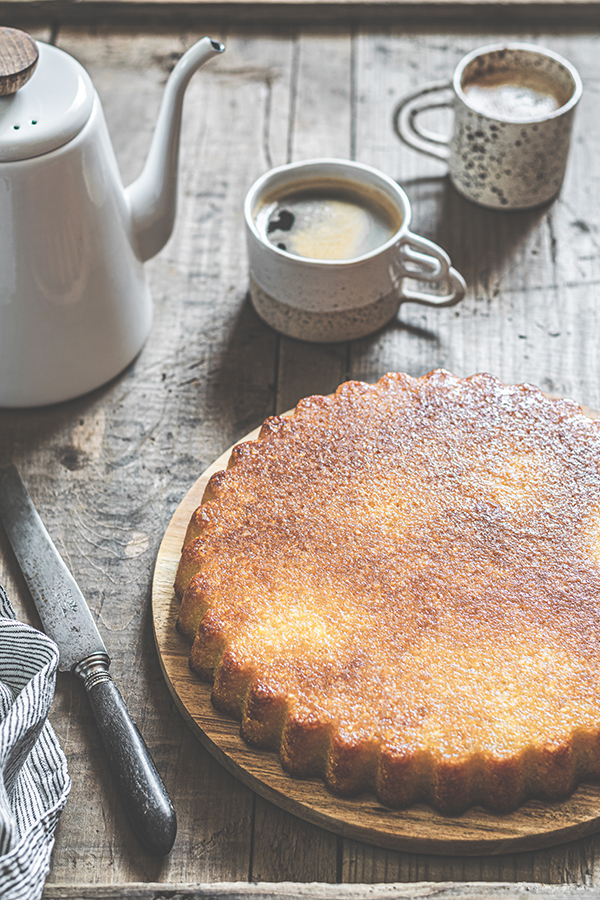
(74, 305)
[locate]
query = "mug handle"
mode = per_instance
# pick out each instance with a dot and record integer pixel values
(425, 261)
(404, 120)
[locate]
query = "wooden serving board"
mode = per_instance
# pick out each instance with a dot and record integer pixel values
(421, 829)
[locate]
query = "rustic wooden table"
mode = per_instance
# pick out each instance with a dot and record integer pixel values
(107, 470)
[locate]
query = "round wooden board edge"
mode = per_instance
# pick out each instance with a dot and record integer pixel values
(533, 826)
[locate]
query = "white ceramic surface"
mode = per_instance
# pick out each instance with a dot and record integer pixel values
(498, 162)
(40, 117)
(337, 300)
(74, 305)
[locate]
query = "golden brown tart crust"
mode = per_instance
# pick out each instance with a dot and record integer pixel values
(398, 589)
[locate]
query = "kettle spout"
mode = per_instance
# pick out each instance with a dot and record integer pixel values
(153, 195)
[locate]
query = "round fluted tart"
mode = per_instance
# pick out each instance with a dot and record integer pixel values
(398, 589)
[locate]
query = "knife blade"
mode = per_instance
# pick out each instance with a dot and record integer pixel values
(66, 618)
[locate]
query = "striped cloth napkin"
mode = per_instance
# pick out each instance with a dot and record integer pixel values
(34, 782)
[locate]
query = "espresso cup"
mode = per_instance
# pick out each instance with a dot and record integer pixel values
(330, 248)
(513, 112)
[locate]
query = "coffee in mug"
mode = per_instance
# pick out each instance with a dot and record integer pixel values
(328, 220)
(516, 95)
(513, 113)
(330, 249)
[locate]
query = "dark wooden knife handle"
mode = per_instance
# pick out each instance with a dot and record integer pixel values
(140, 786)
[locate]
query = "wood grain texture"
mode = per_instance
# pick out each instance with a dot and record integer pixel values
(107, 470)
(18, 59)
(290, 891)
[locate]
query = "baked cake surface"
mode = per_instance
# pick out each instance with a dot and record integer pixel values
(398, 589)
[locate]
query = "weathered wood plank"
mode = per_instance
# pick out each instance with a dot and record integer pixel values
(322, 126)
(296, 850)
(195, 13)
(422, 890)
(571, 863)
(302, 851)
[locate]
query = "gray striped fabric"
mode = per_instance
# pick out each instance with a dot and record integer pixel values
(34, 782)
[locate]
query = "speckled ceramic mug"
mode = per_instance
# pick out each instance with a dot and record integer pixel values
(510, 155)
(327, 300)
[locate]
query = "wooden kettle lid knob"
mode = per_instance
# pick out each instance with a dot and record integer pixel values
(18, 59)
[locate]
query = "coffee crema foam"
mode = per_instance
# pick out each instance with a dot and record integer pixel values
(513, 95)
(328, 221)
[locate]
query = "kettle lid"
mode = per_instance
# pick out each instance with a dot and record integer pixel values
(50, 98)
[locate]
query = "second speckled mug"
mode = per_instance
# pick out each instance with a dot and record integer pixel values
(513, 112)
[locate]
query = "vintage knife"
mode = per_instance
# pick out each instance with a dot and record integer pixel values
(67, 620)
